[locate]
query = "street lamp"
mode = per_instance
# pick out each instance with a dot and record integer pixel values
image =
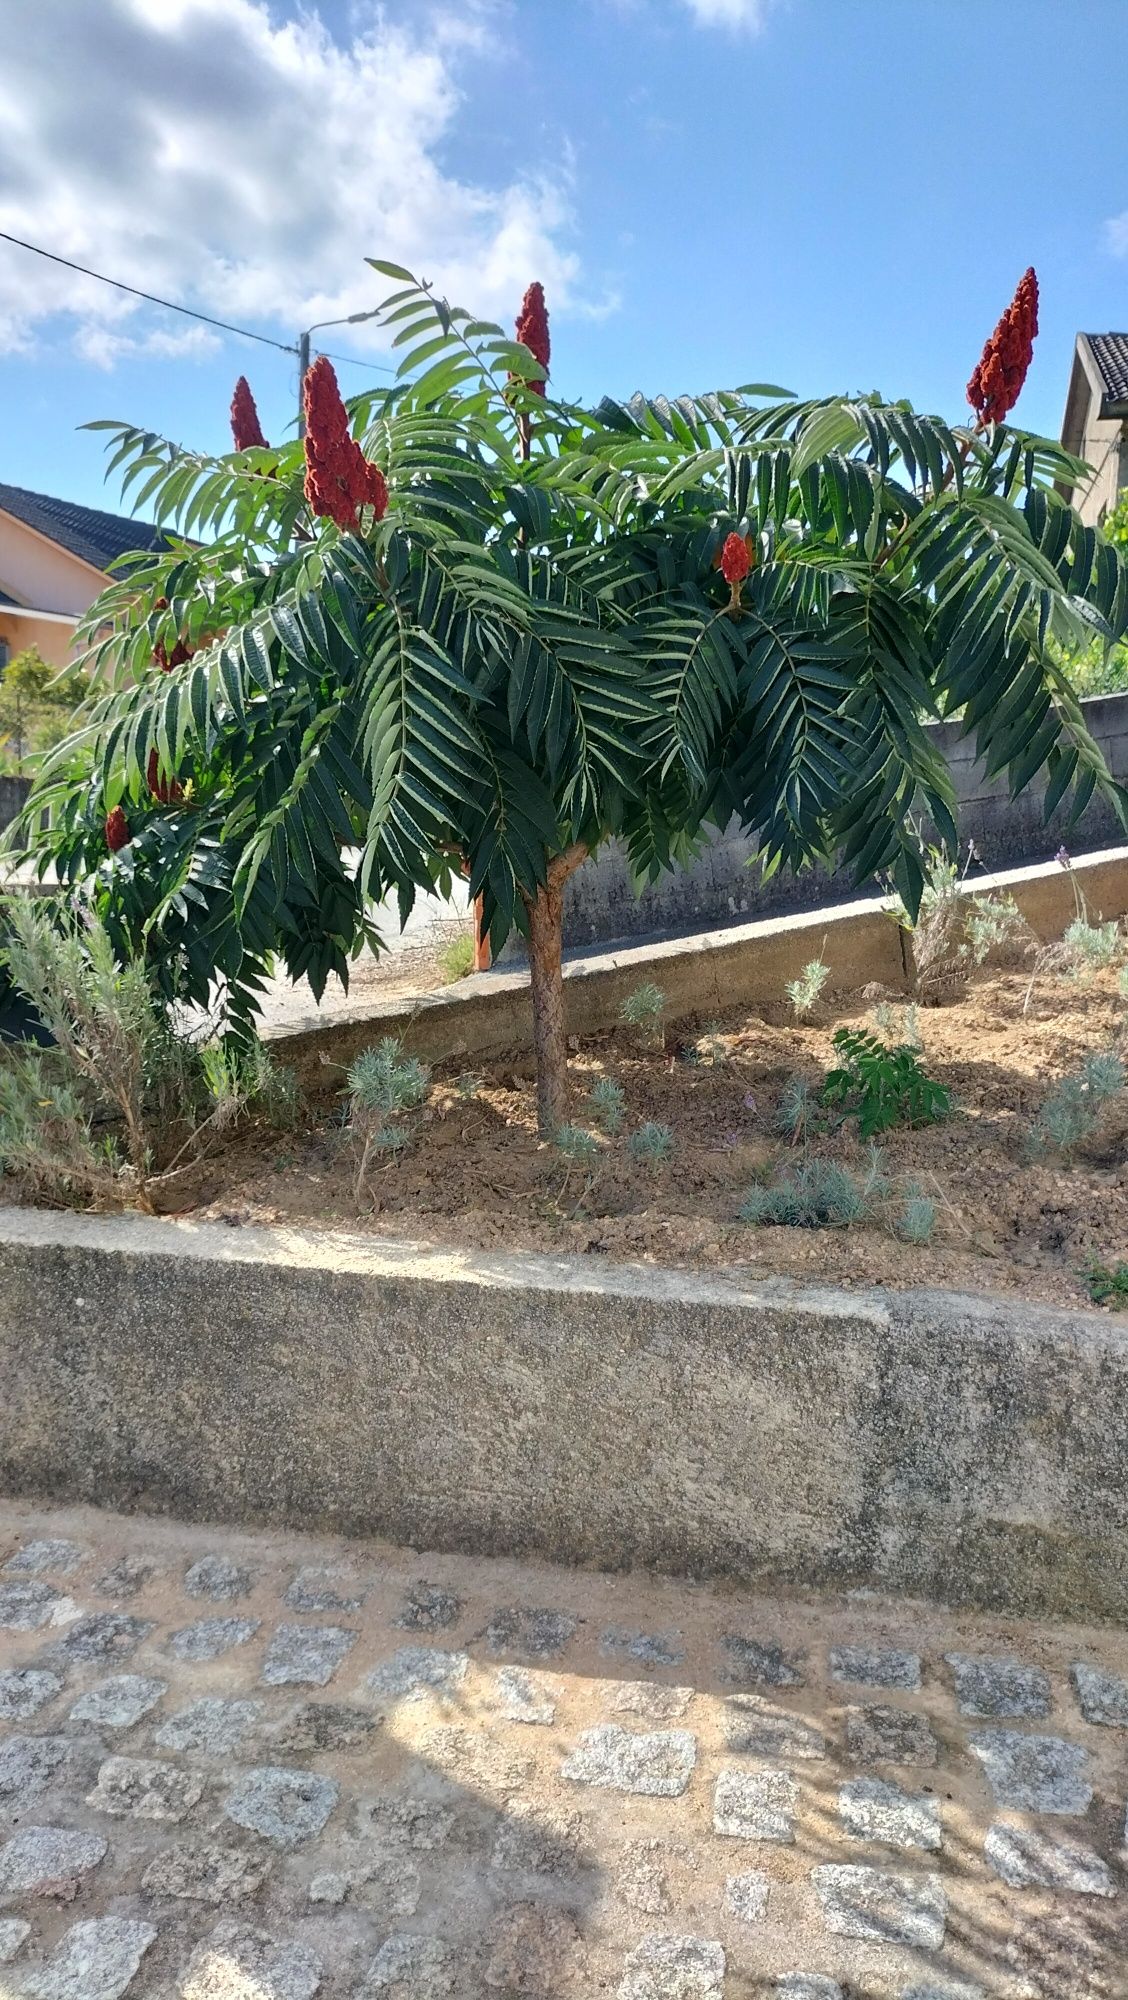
(351, 319)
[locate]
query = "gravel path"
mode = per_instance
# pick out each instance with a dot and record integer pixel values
(269, 1767)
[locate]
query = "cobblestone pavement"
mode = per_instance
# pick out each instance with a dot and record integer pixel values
(264, 1767)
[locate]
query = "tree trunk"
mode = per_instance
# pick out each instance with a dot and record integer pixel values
(550, 1043)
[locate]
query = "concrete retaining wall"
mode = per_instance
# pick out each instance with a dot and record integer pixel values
(724, 884)
(701, 977)
(964, 1449)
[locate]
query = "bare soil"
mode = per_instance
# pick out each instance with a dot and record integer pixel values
(476, 1175)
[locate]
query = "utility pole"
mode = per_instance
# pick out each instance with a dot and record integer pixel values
(351, 319)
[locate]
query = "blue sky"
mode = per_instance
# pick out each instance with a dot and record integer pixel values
(829, 194)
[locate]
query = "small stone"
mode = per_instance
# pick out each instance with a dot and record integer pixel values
(315, 1589)
(1033, 1773)
(881, 1669)
(210, 1638)
(642, 1881)
(57, 1558)
(97, 1960)
(650, 1649)
(806, 1986)
(753, 1728)
(389, 1885)
(658, 1765)
(999, 1687)
(889, 1736)
(318, 1726)
(674, 1968)
(305, 1655)
(1028, 1860)
(207, 1874)
(532, 1950)
(540, 1633)
(474, 1761)
(870, 1809)
(755, 1806)
(754, 1664)
(416, 1671)
(212, 1725)
(101, 1639)
(522, 1698)
(13, 1933)
(27, 1766)
(286, 1807)
(419, 1824)
(746, 1896)
(25, 1690)
(427, 1608)
(410, 1968)
(329, 1888)
(239, 1964)
(26, 1607)
(120, 1702)
(646, 1698)
(538, 1840)
(48, 1860)
(1103, 1697)
(217, 1577)
(894, 1909)
(144, 1788)
(125, 1577)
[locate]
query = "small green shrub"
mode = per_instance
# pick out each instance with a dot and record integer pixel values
(819, 1194)
(574, 1145)
(798, 1110)
(899, 1025)
(609, 1105)
(652, 1145)
(643, 1010)
(245, 1077)
(917, 1219)
(456, 959)
(1108, 1286)
(804, 992)
(468, 1084)
(1092, 947)
(383, 1085)
(882, 1087)
(1073, 1111)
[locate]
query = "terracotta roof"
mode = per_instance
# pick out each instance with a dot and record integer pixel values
(86, 532)
(1110, 352)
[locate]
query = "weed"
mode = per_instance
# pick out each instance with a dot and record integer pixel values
(609, 1105)
(882, 1087)
(242, 1076)
(1108, 1286)
(711, 1046)
(955, 931)
(652, 1145)
(383, 1084)
(456, 959)
(468, 1084)
(643, 1010)
(900, 1025)
(1072, 1112)
(804, 992)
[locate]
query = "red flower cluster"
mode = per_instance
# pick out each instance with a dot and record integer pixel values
(735, 559)
(996, 385)
(117, 830)
(532, 330)
(339, 480)
(165, 660)
(245, 427)
(167, 791)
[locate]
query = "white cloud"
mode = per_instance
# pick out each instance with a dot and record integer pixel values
(245, 162)
(747, 16)
(1116, 234)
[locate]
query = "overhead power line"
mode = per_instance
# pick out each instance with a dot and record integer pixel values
(171, 305)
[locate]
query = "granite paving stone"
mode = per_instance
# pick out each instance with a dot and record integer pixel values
(97, 1960)
(27, 1607)
(27, 1766)
(650, 1649)
(14, 1933)
(428, 1608)
(871, 1809)
(145, 1788)
(541, 1632)
(674, 1968)
(1043, 1774)
(746, 1895)
(317, 1727)
(881, 1667)
(987, 1688)
(120, 1702)
(317, 1589)
(41, 1860)
(239, 1963)
(213, 1725)
(125, 1577)
(1027, 1859)
(206, 1873)
(103, 1638)
(25, 1690)
(658, 1764)
(890, 1908)
(305, 1655)
(883, 1735)
(51, 1555)
(211, 1638)
(756, 1805)
(1102, 1697)
(807, 1986)
(410, 1967)
(415, 1671)
(756, 1728)
(523, 1697)
(284, 1806)
(755, 1662)
(217, 1577)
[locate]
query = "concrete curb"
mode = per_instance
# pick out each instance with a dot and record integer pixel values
(967, 1449)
